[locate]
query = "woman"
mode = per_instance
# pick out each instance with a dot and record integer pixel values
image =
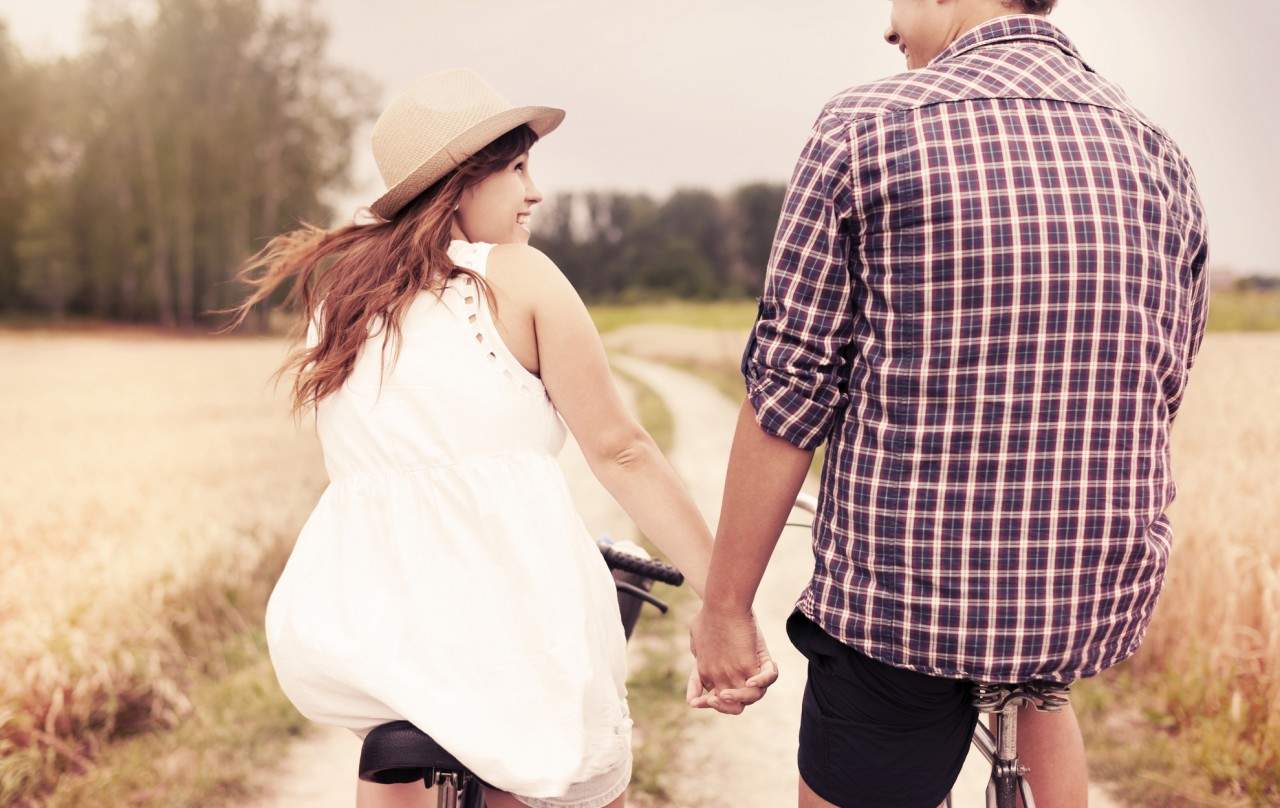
(444, 577)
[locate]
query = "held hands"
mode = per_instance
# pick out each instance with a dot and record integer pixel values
(733, 667)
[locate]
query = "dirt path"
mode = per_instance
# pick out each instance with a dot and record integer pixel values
(745, 760)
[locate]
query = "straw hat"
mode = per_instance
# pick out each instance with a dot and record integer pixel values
(435, 124)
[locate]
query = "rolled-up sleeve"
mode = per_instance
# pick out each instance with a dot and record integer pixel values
(794, 359)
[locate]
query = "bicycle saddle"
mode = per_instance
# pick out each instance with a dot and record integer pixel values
(991, 697)
(399, 752)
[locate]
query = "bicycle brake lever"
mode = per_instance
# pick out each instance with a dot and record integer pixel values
(636, 591)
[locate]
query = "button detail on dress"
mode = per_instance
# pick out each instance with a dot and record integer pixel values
(468, 255)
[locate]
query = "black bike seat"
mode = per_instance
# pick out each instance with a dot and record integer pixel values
(399, 752)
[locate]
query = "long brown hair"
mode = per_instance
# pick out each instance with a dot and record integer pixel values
(365, 273)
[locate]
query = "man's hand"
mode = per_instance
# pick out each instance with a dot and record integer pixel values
(732, 662)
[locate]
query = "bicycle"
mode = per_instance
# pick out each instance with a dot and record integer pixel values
(399, 752)
(1000, 748)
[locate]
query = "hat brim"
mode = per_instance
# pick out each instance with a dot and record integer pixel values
(541, 120)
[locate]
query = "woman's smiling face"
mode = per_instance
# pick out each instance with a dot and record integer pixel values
(497, 209)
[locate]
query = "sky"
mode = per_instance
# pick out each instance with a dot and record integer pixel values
(713, 93)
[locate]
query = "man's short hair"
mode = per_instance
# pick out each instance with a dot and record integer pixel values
(1036, 6)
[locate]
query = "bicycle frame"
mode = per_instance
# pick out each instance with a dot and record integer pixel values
(1008, 776)
(458, 791)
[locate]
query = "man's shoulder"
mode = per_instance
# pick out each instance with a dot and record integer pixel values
(901, 91)
(983, 75)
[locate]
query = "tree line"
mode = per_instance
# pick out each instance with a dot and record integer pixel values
(693, 244)
(137, 174)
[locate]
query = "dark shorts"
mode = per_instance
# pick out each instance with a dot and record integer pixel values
(875, 735)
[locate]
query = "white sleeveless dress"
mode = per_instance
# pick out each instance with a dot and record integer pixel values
(444, 576)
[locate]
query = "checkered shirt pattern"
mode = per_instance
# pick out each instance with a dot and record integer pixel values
(987, 288)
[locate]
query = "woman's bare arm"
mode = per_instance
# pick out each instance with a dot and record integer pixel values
(621, 453)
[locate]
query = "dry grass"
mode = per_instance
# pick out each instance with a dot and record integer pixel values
(1204, 690)
(153, 488)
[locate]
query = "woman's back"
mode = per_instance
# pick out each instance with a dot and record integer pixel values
(455, 394)
(444, 576)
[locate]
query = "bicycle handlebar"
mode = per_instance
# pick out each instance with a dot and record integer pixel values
(646, 567)
(656, 570)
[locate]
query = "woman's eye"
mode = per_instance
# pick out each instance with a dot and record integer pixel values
(519, 166)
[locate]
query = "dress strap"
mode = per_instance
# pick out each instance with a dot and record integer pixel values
(476, 314)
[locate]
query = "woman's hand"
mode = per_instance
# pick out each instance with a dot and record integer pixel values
(732, 661)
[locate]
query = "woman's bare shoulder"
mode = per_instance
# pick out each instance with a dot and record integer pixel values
(527, 272)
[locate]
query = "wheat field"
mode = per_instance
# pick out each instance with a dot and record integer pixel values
(153, 485)
(136, 459)
(1206, 681)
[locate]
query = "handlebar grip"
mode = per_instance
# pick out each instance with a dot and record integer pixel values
(646, 567)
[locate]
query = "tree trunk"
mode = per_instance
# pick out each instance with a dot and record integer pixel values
(185, 229)
(153, 192)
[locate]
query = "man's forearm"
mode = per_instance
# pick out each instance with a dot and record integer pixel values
(765, 474)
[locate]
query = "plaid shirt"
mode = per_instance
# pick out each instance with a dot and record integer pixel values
(987, 287)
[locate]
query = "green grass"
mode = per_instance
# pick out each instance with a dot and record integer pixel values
(656, 694)
(189, 708)
(656, 685)
(240, 725)
(717, 314)
(1192, 734)
(1243, 311)
(1175, 738)
(1229, 310)
(724, 376)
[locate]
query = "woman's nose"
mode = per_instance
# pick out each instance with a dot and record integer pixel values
(891, 36)
(531, 194)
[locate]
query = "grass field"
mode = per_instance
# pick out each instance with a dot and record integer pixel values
(154, 487)
(155, 484)
(1194, 717)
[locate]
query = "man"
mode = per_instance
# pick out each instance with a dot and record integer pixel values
(986, 290)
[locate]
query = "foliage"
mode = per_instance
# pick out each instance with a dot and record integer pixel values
(140, 172)
(693, 245)
(1244, 309)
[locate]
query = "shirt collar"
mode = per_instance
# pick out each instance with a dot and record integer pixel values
(1009, 28)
